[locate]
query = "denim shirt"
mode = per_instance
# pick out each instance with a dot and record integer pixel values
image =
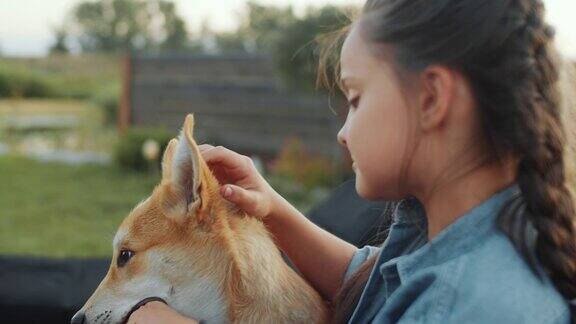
(469, 273)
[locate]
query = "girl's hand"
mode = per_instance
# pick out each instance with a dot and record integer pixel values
(158, 313)
(241, 182)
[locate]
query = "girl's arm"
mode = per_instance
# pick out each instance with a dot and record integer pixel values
(321, 257)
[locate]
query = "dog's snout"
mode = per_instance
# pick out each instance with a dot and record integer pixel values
(78, 318)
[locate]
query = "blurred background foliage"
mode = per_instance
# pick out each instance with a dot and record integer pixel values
(68, 102)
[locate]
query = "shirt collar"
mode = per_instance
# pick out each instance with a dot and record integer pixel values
(458, 238)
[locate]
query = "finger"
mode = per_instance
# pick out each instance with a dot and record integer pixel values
(155, 304)
(224, 156)
(204, 147)
(220, 174)
(242, 198)
(135, 317)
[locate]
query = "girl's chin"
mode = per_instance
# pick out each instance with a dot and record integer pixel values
(364, 191)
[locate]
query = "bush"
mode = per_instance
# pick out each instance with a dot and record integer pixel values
(302, 198)
(19, 83)
(108, 99)
(128, 150)
(308, 170)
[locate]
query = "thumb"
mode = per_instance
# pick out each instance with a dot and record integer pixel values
(245, 199)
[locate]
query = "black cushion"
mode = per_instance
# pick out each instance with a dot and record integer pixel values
(352, 218)
(42, 290)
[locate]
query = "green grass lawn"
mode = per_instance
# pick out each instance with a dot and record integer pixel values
(64, 211)
(57, 210)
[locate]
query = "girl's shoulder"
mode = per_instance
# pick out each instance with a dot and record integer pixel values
(488, 283)
(494, 282)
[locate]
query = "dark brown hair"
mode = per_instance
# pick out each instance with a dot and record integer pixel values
(504, 49)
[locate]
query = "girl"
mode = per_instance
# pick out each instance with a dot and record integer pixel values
(455, 110)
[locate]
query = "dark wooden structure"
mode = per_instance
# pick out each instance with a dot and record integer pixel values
(237, 102)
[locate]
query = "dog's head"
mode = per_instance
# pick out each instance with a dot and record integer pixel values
(170, 246)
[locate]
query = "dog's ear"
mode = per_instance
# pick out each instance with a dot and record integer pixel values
(181, 170)
(167, 159)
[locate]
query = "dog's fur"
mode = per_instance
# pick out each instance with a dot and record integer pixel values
(199, 253)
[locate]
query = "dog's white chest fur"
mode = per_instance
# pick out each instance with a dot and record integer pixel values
(208, 306)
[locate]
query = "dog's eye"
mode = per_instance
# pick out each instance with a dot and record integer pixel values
(124, 257)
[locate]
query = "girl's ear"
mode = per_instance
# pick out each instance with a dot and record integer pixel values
(436, 95)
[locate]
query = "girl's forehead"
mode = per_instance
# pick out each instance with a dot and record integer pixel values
(358, 60)
(353, 52)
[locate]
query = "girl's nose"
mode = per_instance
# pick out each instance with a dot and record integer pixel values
(342, 136)
(343, 133)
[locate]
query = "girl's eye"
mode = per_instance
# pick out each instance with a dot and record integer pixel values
(354, 102)
(124, 257)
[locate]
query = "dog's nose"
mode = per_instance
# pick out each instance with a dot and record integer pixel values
(79, 318)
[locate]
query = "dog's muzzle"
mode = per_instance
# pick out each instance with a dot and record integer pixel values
(140, 304)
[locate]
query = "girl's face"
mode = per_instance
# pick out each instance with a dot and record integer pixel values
(378, 131)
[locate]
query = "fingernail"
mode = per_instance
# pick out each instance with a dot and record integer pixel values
(227, 191)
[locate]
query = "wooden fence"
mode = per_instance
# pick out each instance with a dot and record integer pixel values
(237, 102)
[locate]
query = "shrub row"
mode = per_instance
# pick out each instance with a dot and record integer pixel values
(19, 83)
(128, 151)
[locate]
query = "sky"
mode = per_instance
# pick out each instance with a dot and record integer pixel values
(26, 25)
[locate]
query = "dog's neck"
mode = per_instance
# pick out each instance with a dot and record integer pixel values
(250, 282)
(260, 279)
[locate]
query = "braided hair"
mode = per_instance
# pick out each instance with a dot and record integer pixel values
(505, 50)
(543, 219)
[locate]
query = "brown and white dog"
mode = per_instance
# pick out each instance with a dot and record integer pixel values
(187, 246)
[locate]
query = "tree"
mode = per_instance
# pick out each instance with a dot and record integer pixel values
(288, 38)
(259, 30)
(295, 51)
(232, 42)
(176, 37)
(263, 25)
(60, 45)
(120, 25)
